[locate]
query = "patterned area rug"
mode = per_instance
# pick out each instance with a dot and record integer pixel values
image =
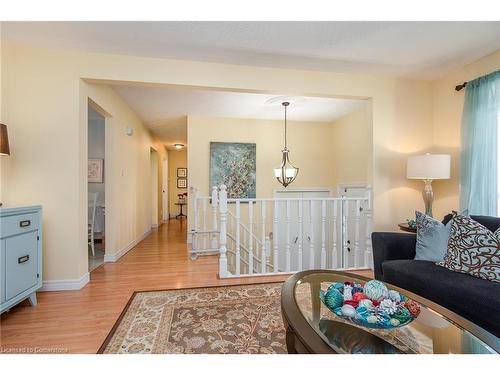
(234, 319)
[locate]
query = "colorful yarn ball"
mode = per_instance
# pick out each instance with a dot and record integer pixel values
(351, 303)
(363, 311)
(402, 314)
(394, 322)
(394, 295)
(372, 319)
(333, 298)
(337, 285)
(387, 306)
(357, 289)
(376, 290)
(338, 311)
(366, 303)
(358, 296)
(413, 307)
(348, 310)
(375, 302)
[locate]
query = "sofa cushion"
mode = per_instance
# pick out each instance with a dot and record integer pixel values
(473, 249)
(432, 238)
(475, 299)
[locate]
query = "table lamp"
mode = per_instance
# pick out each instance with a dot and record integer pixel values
(428, 167)
(4, 143)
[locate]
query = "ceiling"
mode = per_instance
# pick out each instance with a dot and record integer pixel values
(164, 109)
(420, 50)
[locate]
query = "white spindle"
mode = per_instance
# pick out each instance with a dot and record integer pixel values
(223, 271)
(250, 237)
(299, 237)
(311, 235)
(194, 194)
(356, 234)
(275, 237)
(334, 240)
(323, 234)
(368, 215)
(238, 239)
(204, 222)
(215, 201)
(345, 213)
(287, 245)
(263, 254)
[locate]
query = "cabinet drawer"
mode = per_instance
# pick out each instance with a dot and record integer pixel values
(17, 224)
(21, 263)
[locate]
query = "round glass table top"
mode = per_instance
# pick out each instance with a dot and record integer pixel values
(435, 330)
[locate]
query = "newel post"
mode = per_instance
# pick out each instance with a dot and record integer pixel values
(223, 272)
(215, 202)
(193, 223)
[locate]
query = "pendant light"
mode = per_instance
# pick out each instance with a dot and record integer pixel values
(286, 173)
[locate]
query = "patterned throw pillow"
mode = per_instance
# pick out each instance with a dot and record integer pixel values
(473, 249)
(432, 238)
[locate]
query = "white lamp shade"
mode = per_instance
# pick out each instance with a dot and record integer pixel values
(428, 167)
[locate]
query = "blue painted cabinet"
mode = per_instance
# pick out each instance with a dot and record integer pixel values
(20, 255)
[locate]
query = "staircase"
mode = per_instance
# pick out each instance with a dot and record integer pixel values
(281, 235)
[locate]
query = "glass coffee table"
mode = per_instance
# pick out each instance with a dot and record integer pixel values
(312, 328)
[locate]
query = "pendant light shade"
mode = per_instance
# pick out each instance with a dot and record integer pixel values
(286, 173)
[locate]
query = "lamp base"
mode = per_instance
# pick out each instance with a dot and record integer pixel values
(428, 196)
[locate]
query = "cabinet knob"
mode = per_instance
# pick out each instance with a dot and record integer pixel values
(23, 259)
(24, 223)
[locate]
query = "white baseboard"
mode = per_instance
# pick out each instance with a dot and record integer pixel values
(114, 257)
(154, 226)
(70, 284)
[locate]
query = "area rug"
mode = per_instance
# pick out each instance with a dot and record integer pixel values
(242, 319)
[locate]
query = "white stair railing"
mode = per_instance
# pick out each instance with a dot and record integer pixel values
(281, 235)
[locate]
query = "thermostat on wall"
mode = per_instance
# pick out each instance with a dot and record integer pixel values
(129, 131)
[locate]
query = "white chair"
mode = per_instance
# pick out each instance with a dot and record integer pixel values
(91, 223)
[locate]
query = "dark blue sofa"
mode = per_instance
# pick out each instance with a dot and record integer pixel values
(475, 299)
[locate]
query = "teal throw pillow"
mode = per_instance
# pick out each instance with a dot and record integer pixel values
(432, 238)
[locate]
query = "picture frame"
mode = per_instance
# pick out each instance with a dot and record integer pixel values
(182, 172)
(95, 172)
(234, 164)
(181, 183)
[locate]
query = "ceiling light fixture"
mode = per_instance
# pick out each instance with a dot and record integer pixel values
(179, 146)
(286, 173)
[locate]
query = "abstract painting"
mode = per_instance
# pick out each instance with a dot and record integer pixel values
(234, 165)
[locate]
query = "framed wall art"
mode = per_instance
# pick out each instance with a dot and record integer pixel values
(182, 172)
(234, 165)
(96, 171)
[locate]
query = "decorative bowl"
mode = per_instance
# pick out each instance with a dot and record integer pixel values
(371, 305)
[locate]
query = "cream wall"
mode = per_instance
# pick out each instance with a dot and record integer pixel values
(44, 102)
(351, 147)
(176, 159)
(447, 117)
(309, 144)
(47, 105)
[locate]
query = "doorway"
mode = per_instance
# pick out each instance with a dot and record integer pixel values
(96, 188)
(155, 190)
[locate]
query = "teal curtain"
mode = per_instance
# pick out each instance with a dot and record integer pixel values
(479, 154)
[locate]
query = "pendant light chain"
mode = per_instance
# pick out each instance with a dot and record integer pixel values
(286, 172)
(285, 128)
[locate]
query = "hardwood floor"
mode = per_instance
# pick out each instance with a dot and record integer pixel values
(79, 321)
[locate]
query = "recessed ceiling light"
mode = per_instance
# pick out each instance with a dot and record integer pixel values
(179, 146)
